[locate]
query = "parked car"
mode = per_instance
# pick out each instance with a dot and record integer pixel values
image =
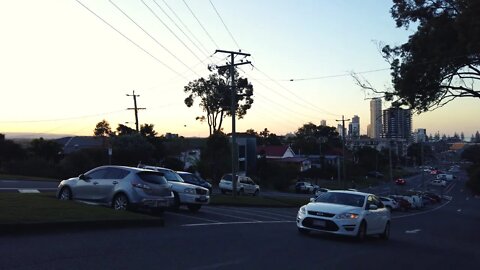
(389, 203)
(400, 181)
(403, 204)
(432, 195)
(344, 212)
(445, 176)
(245, 185)
(120, 187)
(439, 183)
(195, 180)
(184, 194)
(304, 187)
(320, 191)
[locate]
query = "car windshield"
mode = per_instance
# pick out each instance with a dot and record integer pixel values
(341, 198)
(171, 175)
(152, 177)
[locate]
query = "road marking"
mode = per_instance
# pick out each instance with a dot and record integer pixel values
(226, 215)
(273, 214)
(10, 181)
(28, 188)
(193, 217)
(459, 210)
(28, 191)
(218, 265)
(238, 222)
(450, 187)
(413, 231)
(245, 212)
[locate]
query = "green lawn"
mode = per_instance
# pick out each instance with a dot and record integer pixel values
(16, 208)
(29, 178)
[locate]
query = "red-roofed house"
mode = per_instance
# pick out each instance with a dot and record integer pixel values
(275, 151)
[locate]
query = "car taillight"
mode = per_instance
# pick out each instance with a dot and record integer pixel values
(138, 184)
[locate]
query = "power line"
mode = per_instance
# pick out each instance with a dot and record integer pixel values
(336, 76)
(206, 32)
(153, 38)
(186, 27)
(133, 42)
(173, 33)
(181, 30)
(220, 17)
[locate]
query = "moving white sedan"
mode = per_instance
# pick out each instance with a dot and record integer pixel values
(345, 212)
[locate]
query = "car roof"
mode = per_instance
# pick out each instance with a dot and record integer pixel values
(134, 169)
(351, 192)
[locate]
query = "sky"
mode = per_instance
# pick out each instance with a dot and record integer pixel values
(65, 65)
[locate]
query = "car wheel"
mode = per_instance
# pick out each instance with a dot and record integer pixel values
(176, 202)
(386, 232)
(256, 192)
(65, 194)
(120, 202)
(194, 207)
(303, 231)
(362, 231)
(240, 192)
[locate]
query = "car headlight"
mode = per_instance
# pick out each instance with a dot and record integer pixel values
(302, 210)
(347, 216)
(189, 190)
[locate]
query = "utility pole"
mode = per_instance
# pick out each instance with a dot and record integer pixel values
(233, 110)
(135, 108)
(343, 149)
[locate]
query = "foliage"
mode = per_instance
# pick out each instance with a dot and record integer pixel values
(215, 98)
(82, 161)
(173, 163)
(311, 139)
(472, 154)
(215, 159)
(102, 129)
(48, 149)
(147, 130)
(441, 60)
(125, 130)
(265, 137)
(130, 150)
(10, 151)
(415, 151)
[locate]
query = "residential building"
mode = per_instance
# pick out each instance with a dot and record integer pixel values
(340, 131)
(276, 151)
(75, 143)
(247, 153)
(354, 128)
(375, 118)
(397, 123)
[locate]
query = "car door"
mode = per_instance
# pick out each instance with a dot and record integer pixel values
(86, 187)
(371, 215)
(106, 185)
(251, 185)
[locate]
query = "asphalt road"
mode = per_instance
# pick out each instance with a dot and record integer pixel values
(444, 237)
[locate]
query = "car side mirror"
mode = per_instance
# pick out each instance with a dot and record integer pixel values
(312, 199)
(82, 177)
(372, 207)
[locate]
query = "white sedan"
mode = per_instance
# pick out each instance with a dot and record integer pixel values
(345, 212)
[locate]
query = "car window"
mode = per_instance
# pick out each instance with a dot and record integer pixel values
(341, 198)
(227, 177)
(116, 173)
(152, 177)
(96, 174)
(171, 175)
(190, 178)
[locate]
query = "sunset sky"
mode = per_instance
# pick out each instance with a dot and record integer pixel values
(63, 69)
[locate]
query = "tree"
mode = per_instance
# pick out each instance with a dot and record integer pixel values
(125, 130)
(46, 149)
(102, 129)
(147, 130)
(215, 98)
(415, 152)
(310, 138)
(215, 159)
(441, 60)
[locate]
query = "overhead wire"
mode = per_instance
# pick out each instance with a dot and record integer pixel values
(220, 17)
(131, 41)
(152, 37)
(201, 25)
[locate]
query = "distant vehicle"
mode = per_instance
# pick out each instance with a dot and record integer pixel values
(304, 187)
(389, 203)
(120, 187)
(245, 185)
(344, 212)
(375, 174)
(438, 183)
(400, 181)
(320, 191)
(185, 194)
(444, 176)
(403, 204)
(195, 180)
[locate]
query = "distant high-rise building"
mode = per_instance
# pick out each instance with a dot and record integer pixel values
(354, 127)
(323, 123)
(369, 131)
(397, 123)
(340, 132)
(420, 135)
(375, 118)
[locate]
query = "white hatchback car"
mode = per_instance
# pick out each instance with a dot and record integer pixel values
(245, 185)
(345, 212)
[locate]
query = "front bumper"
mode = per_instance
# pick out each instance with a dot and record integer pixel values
(194, 199)
(348, 227)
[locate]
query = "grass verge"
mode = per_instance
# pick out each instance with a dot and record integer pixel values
(16, 208)
(26, 178)
(260, 201)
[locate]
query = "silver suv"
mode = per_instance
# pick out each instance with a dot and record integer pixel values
(119, 187)
(185, 194)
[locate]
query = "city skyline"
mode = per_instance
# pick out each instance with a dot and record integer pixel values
(68, 65)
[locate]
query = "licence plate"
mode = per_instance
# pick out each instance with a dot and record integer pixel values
(320, 223)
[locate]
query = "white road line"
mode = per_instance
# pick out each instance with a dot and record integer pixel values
(459, 210)
(245, 212)
(226, 215)
(28, 188)
(237, 222)
(273, 214)
(412, 231)
(192, 217)
(421, 213)
(28, 191)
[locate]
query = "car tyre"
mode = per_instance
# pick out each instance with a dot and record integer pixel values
(120, 202)
(176, 202)
(362, 232)
(194, 207)
(65, 194)
(303, 231)
(256, 192)
(386, 232)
